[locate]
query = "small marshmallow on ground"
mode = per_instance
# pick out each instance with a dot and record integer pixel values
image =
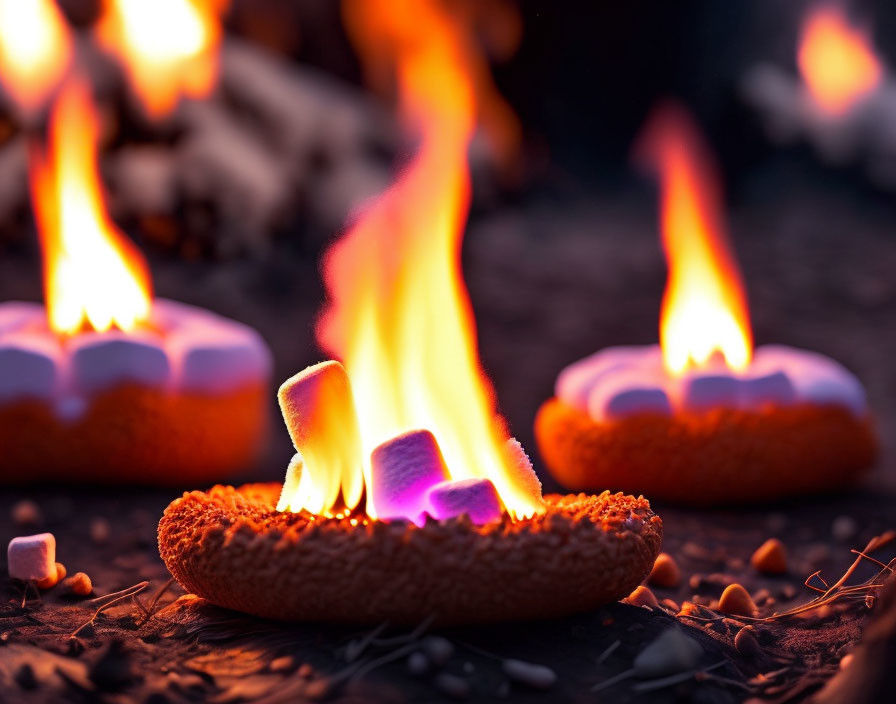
(402, 470)
(476, 498)
(32, 557)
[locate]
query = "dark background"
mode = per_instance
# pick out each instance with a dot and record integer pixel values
(566, 260)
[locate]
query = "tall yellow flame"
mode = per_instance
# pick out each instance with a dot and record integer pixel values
(398, 314)
(704, 312)
(93, 276)
(169, 48)
(836, 61)
(35, 50)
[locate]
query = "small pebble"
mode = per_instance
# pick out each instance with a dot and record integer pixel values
(26, 513)
(530, 674)
(452, 685)
(845, 661)
(439, 650)
(770, 557)
(418, 664)
(670, 653)
(99, 530)
(737, 601)
(642, 596)
(665, 572)
(78, 584)
(61, 572)
(844, 528)
(746, 643)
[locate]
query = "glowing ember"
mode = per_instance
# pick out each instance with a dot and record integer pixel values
(168, 47)
(93, 275)
(704, 311)
(836, 61)
(35, 50)
(398, 313)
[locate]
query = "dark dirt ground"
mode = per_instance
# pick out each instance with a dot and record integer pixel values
(550, 281)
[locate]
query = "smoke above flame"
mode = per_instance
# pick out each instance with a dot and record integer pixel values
(93, 276)
(398, 314)
(704, 312)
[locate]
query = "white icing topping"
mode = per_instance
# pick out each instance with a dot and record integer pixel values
(193, 350)
(622, 381)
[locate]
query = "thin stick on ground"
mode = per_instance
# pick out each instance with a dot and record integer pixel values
(835, 591)
(113, 599)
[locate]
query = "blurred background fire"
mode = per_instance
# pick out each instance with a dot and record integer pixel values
(234, 152)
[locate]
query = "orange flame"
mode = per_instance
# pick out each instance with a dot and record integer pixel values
(169, 48)
(704, 310)
(398, 313)
(836, 61)
(35, 50)
(93, 275)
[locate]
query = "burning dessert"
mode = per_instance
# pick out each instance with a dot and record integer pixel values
(106, 384)
(406, 498)
(702, 418)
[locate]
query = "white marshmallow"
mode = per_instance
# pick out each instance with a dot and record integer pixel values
(15, 315)
(30, 366)
(219, 359)
(401, 471)
(626, 393)
(702, 392)
(32, 557)
(319, 410)
(816, 378)
(759, 389)
(524, 476)
(477, 498)
(102, 360)
(291, 482)
(576, 382)
(209, 353)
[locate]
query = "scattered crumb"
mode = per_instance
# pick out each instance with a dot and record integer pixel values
(78, 584)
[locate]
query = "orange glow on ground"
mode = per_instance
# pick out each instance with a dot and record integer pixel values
(168, 48)
(93, 276)
(704, 312)
(398, 314)
(836, 60)
(35, 50)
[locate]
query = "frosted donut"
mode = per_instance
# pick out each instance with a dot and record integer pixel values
(231, 547)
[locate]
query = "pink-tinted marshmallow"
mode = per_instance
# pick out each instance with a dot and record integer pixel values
(476, 498)
(402, 470)
(32, 557)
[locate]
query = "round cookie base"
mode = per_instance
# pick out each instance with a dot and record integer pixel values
(132, 434)
(231, 547)
(723, 456)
